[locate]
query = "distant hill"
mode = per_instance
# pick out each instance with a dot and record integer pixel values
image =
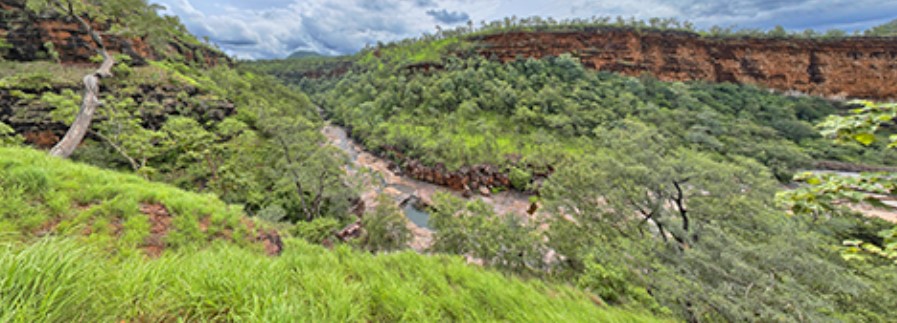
(305, 54)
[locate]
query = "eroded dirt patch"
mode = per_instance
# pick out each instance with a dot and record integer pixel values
(160, 224)
(272, 242)
(48, 227)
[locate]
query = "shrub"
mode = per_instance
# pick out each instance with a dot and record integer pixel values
(519, 178)
(317, 230)
(386, 228)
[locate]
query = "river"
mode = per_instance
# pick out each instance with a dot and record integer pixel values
(377, 178)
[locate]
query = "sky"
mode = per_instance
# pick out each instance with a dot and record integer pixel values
(259, 29)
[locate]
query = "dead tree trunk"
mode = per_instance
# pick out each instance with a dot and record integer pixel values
(91, 101)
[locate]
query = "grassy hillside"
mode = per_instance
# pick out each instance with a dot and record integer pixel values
(306, 283)
(70, 274)
(43, 196)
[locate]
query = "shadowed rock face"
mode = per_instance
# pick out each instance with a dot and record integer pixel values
(28, 34)
(841, 68)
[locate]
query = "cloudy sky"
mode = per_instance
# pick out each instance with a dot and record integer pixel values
(254, 29)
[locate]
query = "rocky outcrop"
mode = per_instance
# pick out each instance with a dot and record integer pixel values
(860, 67)
(28, 34)
(468, 179)
(27, 115)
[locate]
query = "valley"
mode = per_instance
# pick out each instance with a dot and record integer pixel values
(519, 170)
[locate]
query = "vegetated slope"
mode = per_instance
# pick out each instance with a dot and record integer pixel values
(31, 36)
(44, 196)
(530, 116)
(177, 112)
(655, 194)
(60, 220)
(831, 65)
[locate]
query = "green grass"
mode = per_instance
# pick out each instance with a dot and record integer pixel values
(41, 195)
(40, 75)
(64, 281)
(70, 276)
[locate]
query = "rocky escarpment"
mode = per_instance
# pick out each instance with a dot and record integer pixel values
(28, 115)
(29, 37)
(34, 37)
(859, 67)
(479, 178)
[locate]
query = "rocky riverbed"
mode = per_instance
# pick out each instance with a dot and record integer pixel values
(379, 176)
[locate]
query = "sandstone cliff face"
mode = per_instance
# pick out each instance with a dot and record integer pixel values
(842, 68)
(27, 33)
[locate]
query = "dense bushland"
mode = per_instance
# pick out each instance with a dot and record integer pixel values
(242, 136)
(660, 195)
(535, 114)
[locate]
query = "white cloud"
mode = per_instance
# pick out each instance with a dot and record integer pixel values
(276, 28)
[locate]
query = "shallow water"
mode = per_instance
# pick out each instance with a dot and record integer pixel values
(399, 192)
(420, 218)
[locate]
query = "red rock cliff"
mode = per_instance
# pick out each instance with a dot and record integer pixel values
(28, 34)
(850, 68)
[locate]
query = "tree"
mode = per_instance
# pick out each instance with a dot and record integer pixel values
(122, 130)
(473, 229)
(385, 229)
(888, 29)
(82, 12)
(832, 195)
(637, 186)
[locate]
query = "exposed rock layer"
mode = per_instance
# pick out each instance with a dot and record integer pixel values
(29, 34)
(31, 117)
(848, 68)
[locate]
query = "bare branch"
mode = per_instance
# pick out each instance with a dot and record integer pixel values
(73, 137)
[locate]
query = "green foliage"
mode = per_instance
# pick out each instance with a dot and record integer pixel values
(547, 111)
(474, 230)
(42, 280)
(8, 136)
(620, 221)
(409, 52)
(65, 105)
(386, 228)
(4, 46)
(658, 195)
(51, 50)
(831, 194)
(520, 178)
(862, 124)
(40, 75)
(123, 131)
(317, 230)
(615, 285)
(28, 81)
(887, 30)
(170, 122)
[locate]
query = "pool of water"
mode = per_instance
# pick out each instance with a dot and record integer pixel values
(419, 217)
(339, 138)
